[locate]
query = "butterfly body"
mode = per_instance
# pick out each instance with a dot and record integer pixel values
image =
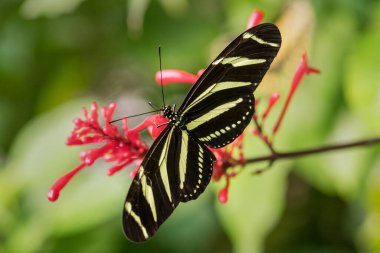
(178, 166)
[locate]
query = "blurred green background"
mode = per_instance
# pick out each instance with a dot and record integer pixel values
(57, 56)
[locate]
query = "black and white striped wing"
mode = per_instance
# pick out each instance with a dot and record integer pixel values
(176, 169)
(178, 166)
(221, 103)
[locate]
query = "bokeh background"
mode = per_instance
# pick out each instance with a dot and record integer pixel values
(57, 56)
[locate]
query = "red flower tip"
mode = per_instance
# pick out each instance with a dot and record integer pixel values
(272, 101)
(255, 19)
(54, 191)
(223, 195)
(273, 98)
(175, 76)
(94, 114)
(53, 195)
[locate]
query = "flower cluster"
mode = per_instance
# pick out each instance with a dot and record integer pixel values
(125, 147)
(119, 147)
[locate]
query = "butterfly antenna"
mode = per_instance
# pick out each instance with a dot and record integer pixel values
(153, 106)
(127, 117)
(162, 87)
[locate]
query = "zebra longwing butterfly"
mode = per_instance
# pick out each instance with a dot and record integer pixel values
(178, 166)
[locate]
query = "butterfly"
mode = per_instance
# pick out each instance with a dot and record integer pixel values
(178, 166)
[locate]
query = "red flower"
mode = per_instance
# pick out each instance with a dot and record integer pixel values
(120, 147)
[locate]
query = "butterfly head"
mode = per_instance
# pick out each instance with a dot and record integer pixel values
(169, 112)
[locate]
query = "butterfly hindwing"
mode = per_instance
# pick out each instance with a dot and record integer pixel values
(223, 95)
(195, 162)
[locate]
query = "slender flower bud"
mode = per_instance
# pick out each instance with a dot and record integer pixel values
(255, 19)
(302, 70)
(175, 76)
(55, 190)
(272, 101)
(223, 195)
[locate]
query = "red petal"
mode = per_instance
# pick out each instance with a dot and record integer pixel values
(54, 191)
(175, 76)
(223, 195)
(272, 101)
(254, 19)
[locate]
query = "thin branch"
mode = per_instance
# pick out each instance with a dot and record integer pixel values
(262, 136)
(294, 154)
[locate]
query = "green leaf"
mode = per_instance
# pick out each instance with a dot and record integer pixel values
(368, 235)
(37, 8)
(362, 86)
(254, 207)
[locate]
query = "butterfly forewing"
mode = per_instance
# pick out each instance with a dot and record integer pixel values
(218, 124)
(178, 166)
(150, 201)
(221, 103)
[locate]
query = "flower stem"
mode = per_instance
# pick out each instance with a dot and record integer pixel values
(294, 154)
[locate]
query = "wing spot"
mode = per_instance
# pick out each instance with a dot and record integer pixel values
(217, 133)
(223, 131)
(239, 61)
(234, 125)
(263, 42)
